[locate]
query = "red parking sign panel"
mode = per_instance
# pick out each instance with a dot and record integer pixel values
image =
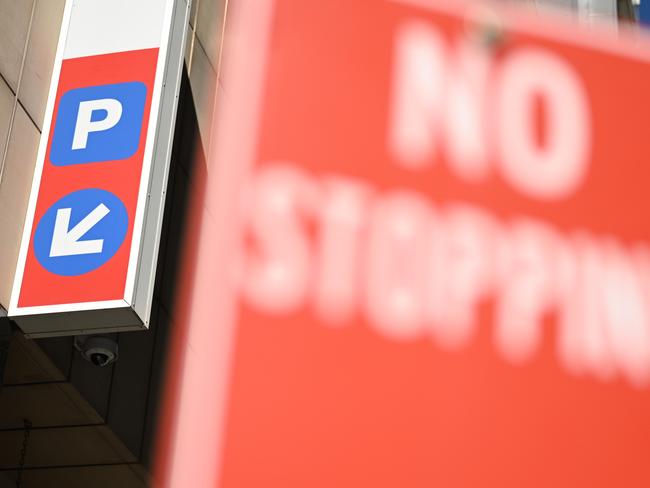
(433, 256)
(73, 281)
(89, 248)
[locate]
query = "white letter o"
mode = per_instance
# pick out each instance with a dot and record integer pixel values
(556, 168)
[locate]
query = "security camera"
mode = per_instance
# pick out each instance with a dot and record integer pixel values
(98, 350)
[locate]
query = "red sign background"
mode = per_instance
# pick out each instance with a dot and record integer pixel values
(312, 405)
(122, 178)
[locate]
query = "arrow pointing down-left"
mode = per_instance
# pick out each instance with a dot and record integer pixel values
(65, 241)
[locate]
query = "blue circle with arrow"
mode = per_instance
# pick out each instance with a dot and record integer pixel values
(80, 232)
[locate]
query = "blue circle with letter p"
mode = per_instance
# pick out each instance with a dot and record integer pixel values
(80, 232)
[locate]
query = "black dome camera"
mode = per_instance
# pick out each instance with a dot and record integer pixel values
(98, 350)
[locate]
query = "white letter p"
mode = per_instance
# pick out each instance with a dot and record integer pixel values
(85, 125)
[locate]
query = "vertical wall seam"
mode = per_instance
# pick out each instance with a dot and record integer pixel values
(20, 79)
(193, 32)
(109, 397)
(217, 82)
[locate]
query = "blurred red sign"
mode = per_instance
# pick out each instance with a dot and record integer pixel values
(437, 216)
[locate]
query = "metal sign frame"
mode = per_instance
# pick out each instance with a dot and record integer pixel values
(132, 311)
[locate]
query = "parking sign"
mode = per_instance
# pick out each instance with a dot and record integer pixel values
(101, 170)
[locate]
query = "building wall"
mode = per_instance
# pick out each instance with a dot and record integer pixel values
(586, 11)
(29, 31)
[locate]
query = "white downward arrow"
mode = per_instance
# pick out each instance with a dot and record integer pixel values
(65, 241)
